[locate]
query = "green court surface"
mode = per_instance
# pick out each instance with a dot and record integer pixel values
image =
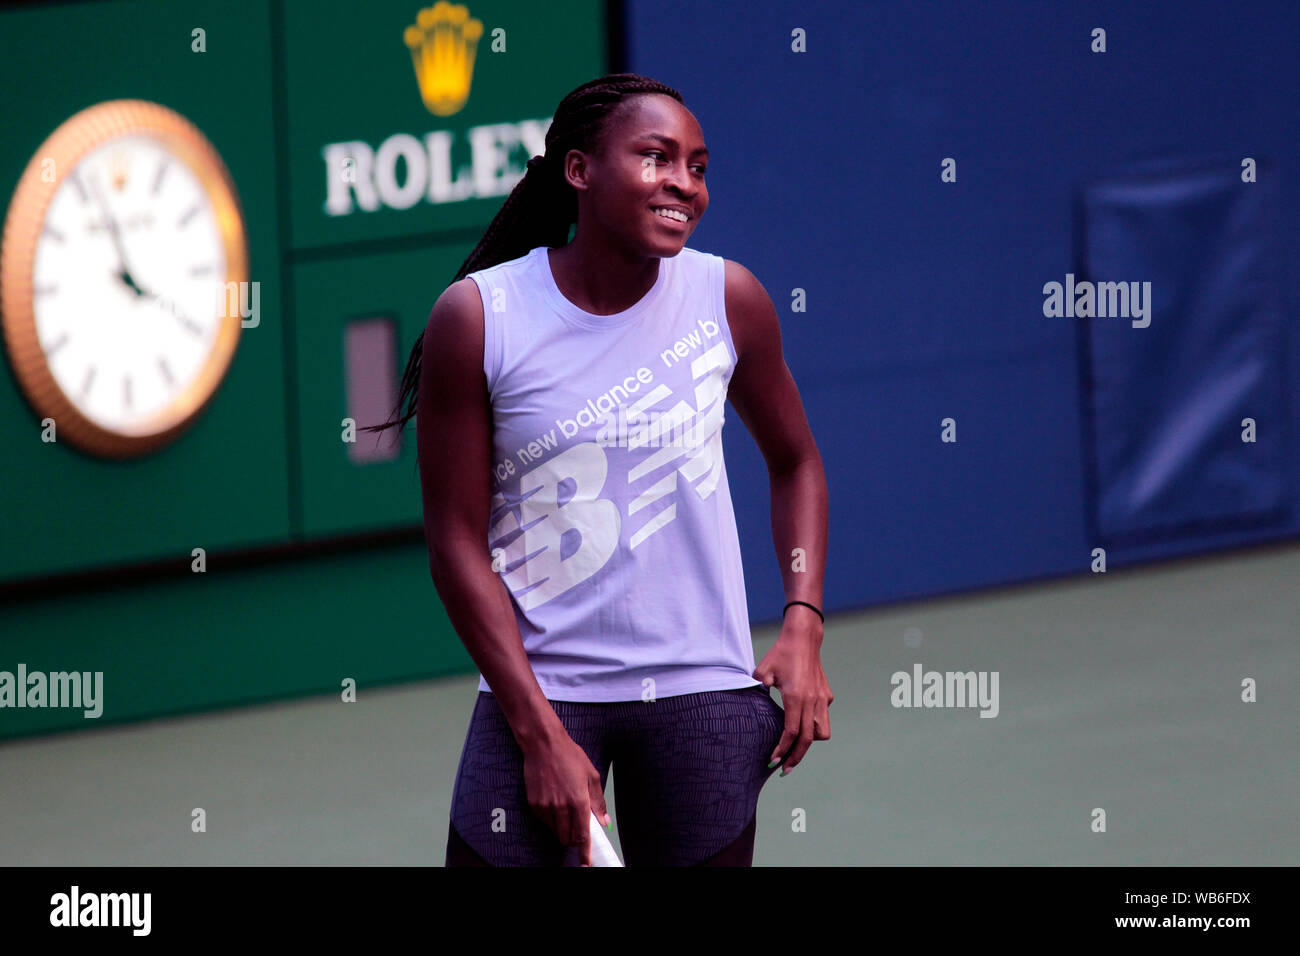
(1119, 691)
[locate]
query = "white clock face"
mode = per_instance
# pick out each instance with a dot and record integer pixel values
(127, 280)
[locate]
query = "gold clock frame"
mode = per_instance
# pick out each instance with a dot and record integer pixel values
(67, 146)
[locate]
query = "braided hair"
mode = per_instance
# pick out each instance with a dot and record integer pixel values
(542, 207)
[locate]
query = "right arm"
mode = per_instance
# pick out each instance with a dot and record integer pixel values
(454, 441)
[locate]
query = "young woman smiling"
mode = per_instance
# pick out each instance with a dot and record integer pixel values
(594, 575)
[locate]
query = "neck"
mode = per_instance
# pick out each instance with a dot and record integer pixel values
(602, 278)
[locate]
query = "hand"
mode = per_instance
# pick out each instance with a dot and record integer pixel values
(794, 666)
(564, 789)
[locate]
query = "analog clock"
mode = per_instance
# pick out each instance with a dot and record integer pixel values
(121, 238)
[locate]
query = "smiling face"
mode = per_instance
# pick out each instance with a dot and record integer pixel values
(644, 188)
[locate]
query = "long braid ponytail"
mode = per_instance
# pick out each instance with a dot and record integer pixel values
(542, 207)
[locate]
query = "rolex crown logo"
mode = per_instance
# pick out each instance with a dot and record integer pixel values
(443, 41)
(117, 169)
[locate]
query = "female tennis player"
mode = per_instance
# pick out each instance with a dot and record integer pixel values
(570, 398)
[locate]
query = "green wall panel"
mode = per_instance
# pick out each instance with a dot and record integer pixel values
(235, 636)
(338, 495)
(265, 465)
(225, 482)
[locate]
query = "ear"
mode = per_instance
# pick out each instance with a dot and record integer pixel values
(576, 169)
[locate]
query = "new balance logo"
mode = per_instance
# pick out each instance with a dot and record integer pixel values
(560, 531)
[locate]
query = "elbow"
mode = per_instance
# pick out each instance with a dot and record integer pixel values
(452, 554)
(792, 464)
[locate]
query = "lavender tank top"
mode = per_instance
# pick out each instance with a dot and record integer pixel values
(611, 522)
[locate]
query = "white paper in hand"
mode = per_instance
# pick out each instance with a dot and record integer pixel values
(602, 851)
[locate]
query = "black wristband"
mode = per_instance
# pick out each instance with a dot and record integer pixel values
(805, 604)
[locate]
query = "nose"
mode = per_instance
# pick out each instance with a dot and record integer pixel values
(678, 176)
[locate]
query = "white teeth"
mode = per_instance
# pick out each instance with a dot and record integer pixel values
(670, 213)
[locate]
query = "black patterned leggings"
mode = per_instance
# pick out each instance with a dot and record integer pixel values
(688, 772)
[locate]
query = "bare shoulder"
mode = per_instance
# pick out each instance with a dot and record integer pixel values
(454, 333)
(459, 310)
(750, 312)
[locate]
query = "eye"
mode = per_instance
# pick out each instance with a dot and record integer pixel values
(660, 155)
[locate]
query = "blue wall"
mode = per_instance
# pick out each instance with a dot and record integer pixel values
(925, 298)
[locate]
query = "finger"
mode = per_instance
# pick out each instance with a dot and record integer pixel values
(782, 749)
(584, 834)
(804, 740)
(789, 735)
(548, 818)
(822, 727)
(822, 722)
(572, 836)
(597, 797)
(563, 830)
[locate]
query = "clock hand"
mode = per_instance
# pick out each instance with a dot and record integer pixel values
(126, 278)
(171, 307)
(123, 272)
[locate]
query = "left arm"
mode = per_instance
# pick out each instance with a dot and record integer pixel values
(765, 397)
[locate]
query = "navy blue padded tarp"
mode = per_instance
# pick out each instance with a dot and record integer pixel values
(1165, 402)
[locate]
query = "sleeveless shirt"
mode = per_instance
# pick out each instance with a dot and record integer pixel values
(611, 521)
